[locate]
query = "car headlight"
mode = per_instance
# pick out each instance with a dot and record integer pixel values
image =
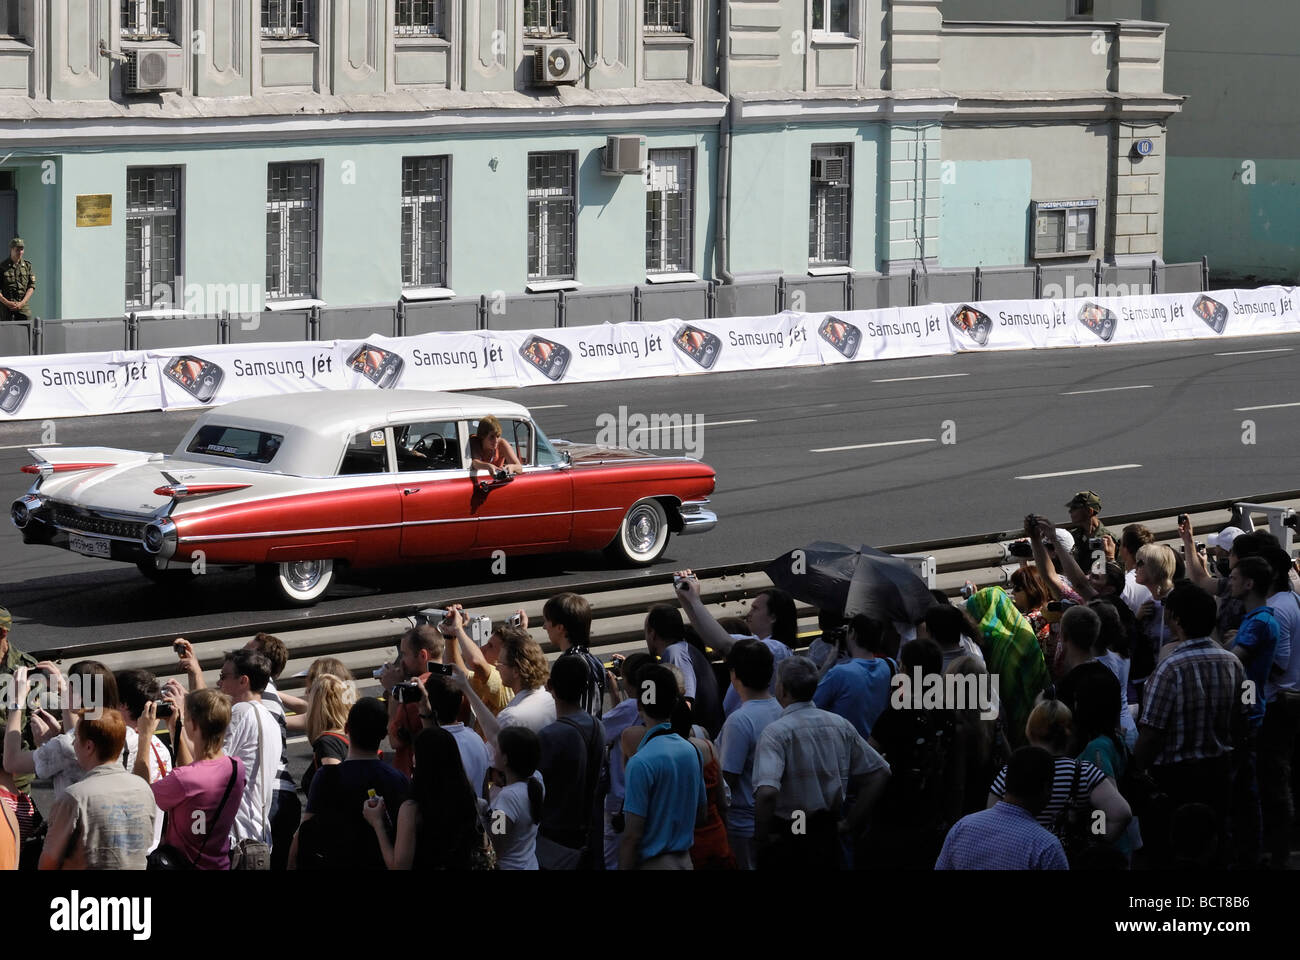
(160, 538)
(23, 509)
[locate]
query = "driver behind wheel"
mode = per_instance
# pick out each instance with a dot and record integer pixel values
(490, 451)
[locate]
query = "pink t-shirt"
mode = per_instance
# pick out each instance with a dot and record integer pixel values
(199, 787)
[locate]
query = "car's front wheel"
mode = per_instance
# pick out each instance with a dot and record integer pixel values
(300, 583)
(643, 535)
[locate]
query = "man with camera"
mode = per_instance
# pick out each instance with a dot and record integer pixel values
(566, 618)
(11, 658)
(1089, 532)
(419, 648)
(478, 658)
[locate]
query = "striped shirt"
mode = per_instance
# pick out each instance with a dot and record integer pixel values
(1191, 697)
(1004, 837)
(1090, 777)
(271, 700)
(809, 755)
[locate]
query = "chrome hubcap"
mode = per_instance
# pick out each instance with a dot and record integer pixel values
(643, 529)
(303, 575)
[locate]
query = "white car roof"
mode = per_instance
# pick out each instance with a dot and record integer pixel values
(315, 424)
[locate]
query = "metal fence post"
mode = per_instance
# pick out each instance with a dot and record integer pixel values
(848, 291)
(399, 320)
(711, 300)
(482, 311)
(1205, 272)
(1038, 281)
(780, 294)
(313, 323)
(636, 304)
(979, 284)
(223, 327)
(912, 291)
(561, 308)
(1155, 278)
(1096, 278)
(132, 330)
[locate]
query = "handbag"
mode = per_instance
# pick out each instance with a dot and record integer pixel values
(484, 855)
(167, 857)
(1084, 849)
(250, 853)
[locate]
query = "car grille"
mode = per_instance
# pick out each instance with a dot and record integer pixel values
(86, 522)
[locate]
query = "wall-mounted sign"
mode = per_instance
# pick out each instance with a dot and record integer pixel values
(1143, 148)
(94, 209)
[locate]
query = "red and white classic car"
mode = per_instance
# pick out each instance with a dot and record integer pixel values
(299, 484)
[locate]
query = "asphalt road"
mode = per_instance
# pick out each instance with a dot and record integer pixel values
(854, 452)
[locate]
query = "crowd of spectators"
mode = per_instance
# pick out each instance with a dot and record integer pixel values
(1137, 707)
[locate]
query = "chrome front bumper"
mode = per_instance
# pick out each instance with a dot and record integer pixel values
(696, 519)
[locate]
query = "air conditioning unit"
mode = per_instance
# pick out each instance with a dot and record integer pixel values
(827, 169)
(623, 155)
(148, 70)
(556, 63)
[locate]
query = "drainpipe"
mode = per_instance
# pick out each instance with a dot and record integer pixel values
(721, 250)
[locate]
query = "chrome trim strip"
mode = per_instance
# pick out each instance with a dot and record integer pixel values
(389, 526)
(98, 536)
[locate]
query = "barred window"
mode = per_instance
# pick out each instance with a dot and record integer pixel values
(10, 19)
(292, 191)
(418, 18)
(287, 19)
(831, 16)
(552, 215)
(153, 200)
(830, 212)
(424, 221)
(146, 19)
(548, 18)
(669, 211)
(666, 16)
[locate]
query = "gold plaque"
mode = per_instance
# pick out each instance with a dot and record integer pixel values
(94, 209)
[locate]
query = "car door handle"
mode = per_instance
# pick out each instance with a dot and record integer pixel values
(410, 490)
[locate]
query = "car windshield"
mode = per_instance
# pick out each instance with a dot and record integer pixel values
(236, 443)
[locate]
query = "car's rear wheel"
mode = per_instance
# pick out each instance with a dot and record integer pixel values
(176, 574)
(300, 583)
(643, 534)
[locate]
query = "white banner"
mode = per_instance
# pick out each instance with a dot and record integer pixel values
(210, 376)
(75, 385)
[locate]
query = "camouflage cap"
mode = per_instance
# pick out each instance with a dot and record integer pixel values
(16, 241)
(6, 618)
(1085, 498)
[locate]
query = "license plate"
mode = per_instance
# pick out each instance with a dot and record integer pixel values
(90, 546)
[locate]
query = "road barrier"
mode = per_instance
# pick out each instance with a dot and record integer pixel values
(366, 639)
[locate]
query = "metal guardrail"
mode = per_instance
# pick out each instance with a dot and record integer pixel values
(364, 639)
(702, 299)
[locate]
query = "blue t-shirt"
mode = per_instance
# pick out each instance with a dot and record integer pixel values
(1259, 633)
(731, 702)
(736, 746)
(664, 784)
(858, 691)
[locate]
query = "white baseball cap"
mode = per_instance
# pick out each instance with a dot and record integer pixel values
(1064, 540)
(1224, 538)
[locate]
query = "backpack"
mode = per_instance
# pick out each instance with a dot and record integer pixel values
(1084, 849)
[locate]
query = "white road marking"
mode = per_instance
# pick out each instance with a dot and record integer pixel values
(689, 426)
(1267, 406)
(867, 446)
(937, 376)
(1071, 473)
(1075, 393)
(548, 406)
(23, 446)
(1246, 353)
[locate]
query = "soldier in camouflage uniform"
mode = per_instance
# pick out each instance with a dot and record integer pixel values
(17, 283)
(11, 659)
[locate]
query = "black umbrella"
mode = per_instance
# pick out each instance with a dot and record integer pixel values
(832, 576)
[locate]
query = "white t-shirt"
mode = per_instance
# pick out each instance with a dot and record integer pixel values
(1286, 608)
(253, 821)
(1134, 594)
(56, 759)
(533, 709)
(519, 852)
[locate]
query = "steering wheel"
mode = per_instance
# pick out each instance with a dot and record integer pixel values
(431, 445)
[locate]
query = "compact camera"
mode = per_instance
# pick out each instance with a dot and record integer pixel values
(515, 620)
(679, 582)
(163, 709)
(408, 691)
(1095, 543)
(1020, 548)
